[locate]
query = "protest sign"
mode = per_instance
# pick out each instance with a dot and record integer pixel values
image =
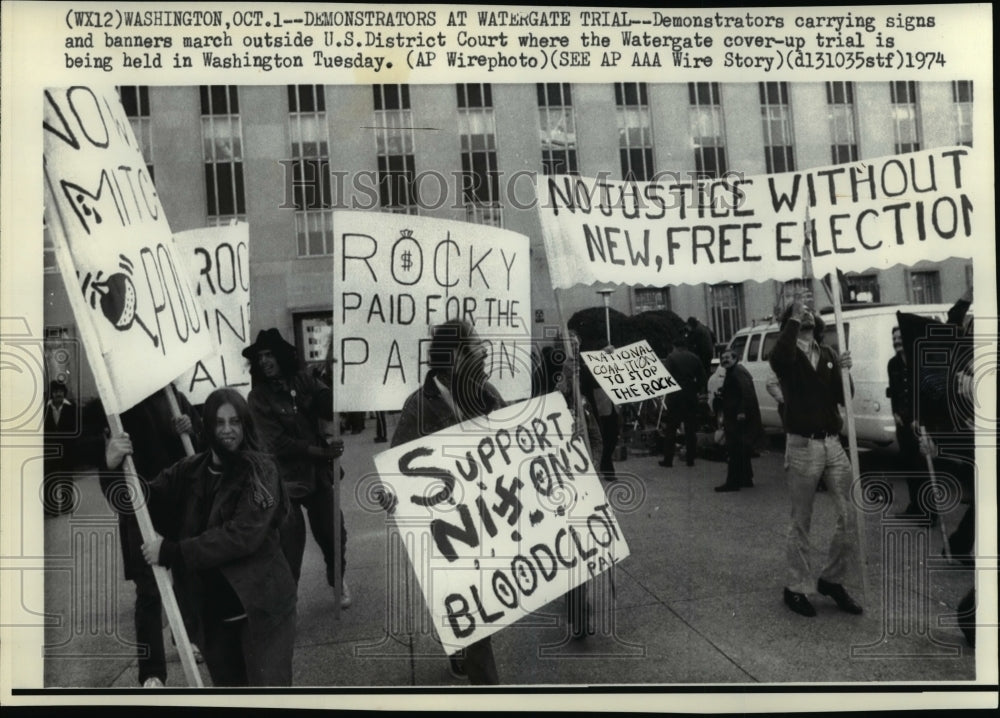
(219, 267)
(127, 283)
(919, 205)
(395, 276)
(507, 515)
(630, 373)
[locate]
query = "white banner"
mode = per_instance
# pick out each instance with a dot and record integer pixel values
(219, 266)
(928, 205)
(135, 310)
(630, 373)
(395, 276)
(507, 514)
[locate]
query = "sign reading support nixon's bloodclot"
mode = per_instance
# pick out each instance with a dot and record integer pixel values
(631, 373)
(395, 276)
(506, 514)
(136, 312)
(218, 259)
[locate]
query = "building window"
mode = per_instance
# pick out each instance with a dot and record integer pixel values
(843, 127)
(480, 178)
(635, 132)
(222, 150)
(394, 148)
(726, 307)
(647, 299)
(776, 119)
(313, 332)
(707, 132)
(925, 288)
(862, 289)
(311, 193)
(558, 128)
(905, 127)
(135, 101)
(961, 91)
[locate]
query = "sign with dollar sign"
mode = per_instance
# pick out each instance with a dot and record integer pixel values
(396, 276)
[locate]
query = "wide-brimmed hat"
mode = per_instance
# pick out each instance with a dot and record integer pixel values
(271, 340)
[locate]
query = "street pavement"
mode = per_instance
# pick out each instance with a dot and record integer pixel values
(697, 601)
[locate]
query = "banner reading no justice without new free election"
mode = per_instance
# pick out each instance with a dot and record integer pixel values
(218, 262)
(506, 514)
(137, 315)
(928, 205)
(395, 276)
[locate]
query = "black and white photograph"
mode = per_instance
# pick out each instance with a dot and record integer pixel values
(498, 356)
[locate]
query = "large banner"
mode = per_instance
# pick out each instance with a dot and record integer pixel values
(630, 373)
(218, 261)
(929, 205)
(506, 514)
(133, 303)
(395, 276)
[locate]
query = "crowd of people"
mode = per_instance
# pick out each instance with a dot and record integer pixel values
(229, 488)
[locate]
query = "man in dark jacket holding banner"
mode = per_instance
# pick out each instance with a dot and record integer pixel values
(455, 389)
(810, 377)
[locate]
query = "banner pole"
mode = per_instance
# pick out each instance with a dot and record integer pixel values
(338, 578)
(852, 437)
(175, 412)
(606, 295)
(574, 380)
(934, 492)
(92, 347)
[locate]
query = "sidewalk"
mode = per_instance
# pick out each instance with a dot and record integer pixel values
(699, 600)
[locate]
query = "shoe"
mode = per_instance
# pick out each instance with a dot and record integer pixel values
(727, 487)
(198, 658)
(665, 462)
(380, 439)
(799, 603)
(152, 682)
(345, 595)
(838, 594)
(689, 462)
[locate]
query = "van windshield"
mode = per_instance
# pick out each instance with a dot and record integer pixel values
(737, 345)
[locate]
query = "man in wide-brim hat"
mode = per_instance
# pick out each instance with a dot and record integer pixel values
(288, 404)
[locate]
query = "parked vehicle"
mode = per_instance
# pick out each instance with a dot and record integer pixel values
(868, 332)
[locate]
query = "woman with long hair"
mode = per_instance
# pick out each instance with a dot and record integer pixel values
(219, 513)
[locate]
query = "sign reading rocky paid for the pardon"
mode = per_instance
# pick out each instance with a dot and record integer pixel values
(128, 285)
(506, 512)
(630, 373)
(928, 205)
(218, 261)
(395, 276)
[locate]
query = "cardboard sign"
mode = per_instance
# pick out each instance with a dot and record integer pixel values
(631, 373)
(218, 260)
(929, 204)
(128, 285)
(506, 514)
(395, 276)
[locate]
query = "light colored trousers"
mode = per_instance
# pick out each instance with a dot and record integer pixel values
(806, 460)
